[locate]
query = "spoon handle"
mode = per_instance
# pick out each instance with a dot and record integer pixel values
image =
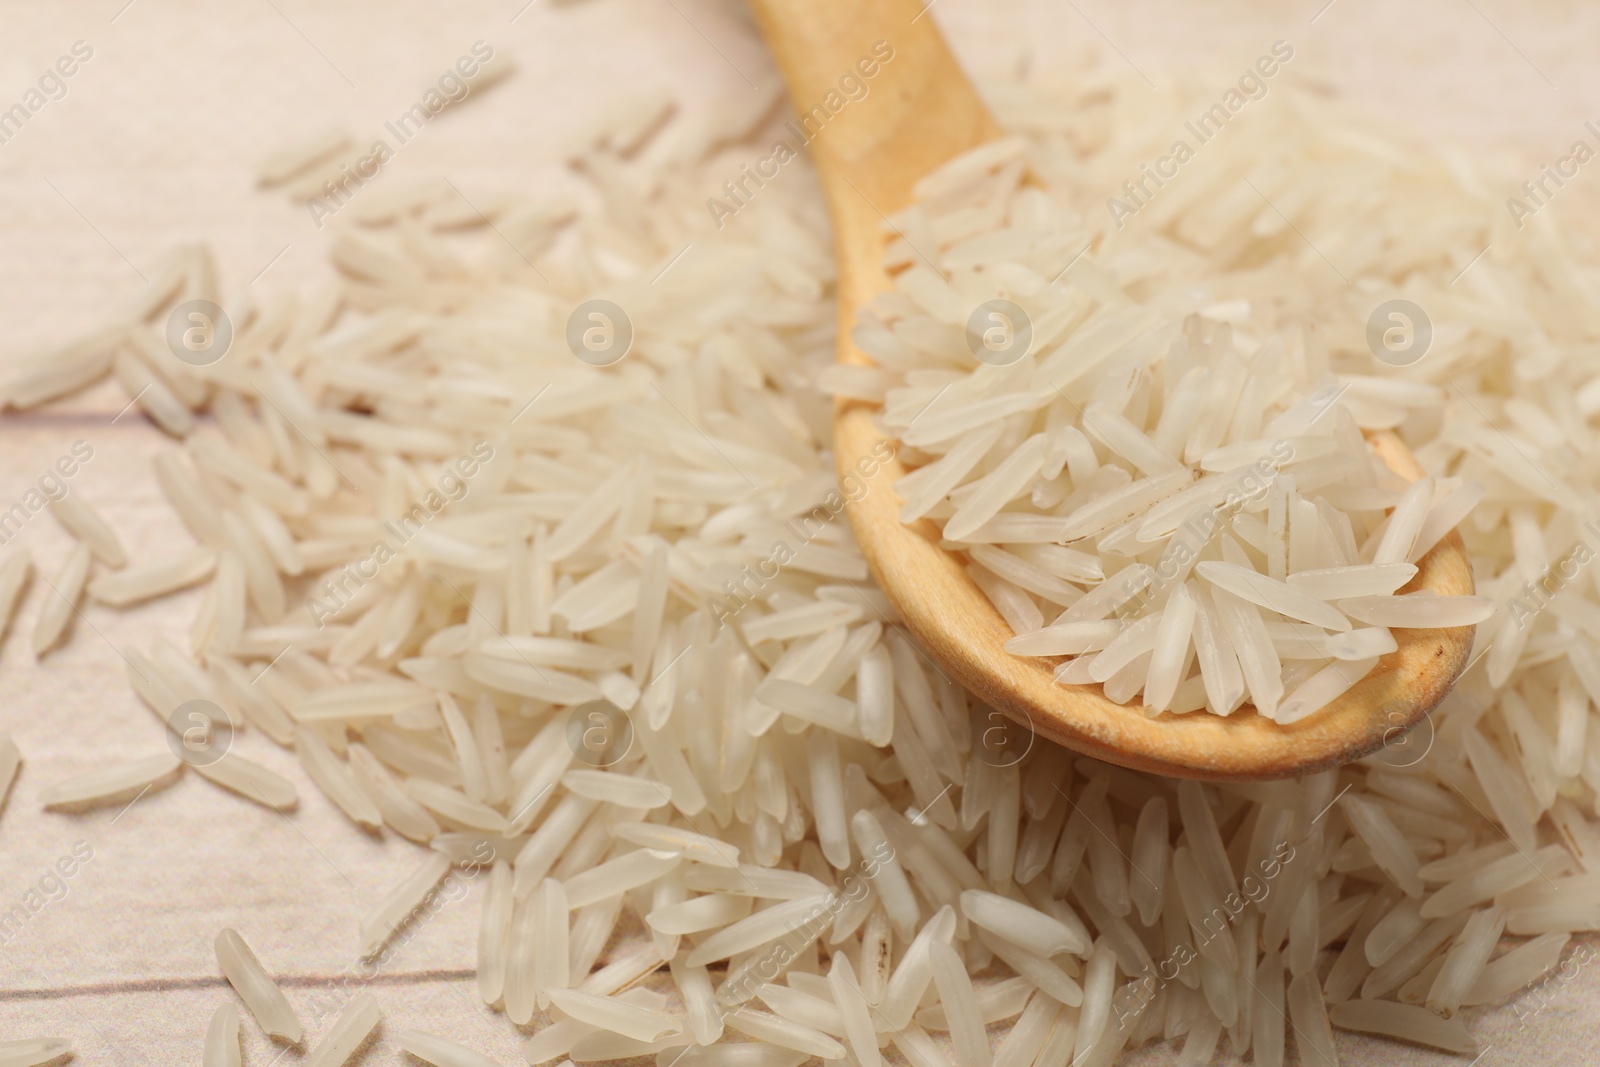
(880, 102)
(872, 140)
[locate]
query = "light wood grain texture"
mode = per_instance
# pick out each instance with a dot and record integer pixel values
(921, 111)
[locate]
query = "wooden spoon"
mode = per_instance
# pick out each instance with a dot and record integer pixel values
(920, 111)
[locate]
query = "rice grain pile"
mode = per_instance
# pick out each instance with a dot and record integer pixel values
(560, 614)
(1168, 487)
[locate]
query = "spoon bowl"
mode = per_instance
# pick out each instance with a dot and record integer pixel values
(919, 112)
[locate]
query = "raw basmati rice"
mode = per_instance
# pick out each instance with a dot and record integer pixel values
(256, 988)
(333, 777)
(759, 929)
(1411, 956)
(814, 1011)
(86, 524)
(1309, 1016)
(111, 780)
(222, 1038)
(30, 1052)
(291, 160)
(59, 607)
(855, 1016)
(617, 1016)
(553, 937)
(455, 806)
(10, 763)
(1404, 1022)
(521, 984)
(1021, 924)
(1172, 487)
(617, 876)
(348, 1033)
(15, 572)
(1464, 963)
(395, 806)
(133, 584)
(1389, 848)
(390, 913)
(440, 1051)
(1418, 609)
(764, 1026)
(967, 1035)
(702, 913)
(250, 780)
(622, 790)
(995, 1001)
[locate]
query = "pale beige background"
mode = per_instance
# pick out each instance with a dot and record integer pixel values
(155, 143)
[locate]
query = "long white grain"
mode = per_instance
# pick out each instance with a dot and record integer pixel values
(891, 883)
(494, 926)
(1418, 610)
(1051, 979)
(454, 805)
(1489, 878)
(913, 972)
(827, 797)
(1308, 1013)
(134, 584)
(250, 780)
(256, 988)
(1021, 924)
(15, 571)
(1322, 688)
(521, 990)
(551, 966)
(398, 905)
(349, 1032)
(1445, 516)
(441, 1051)
(555, 1041)
(996, 1002)
(1246, 633)
(33, 1052)
(1171, 652)
(109, 780)
(1464, 963)
(619, 875)
(10, 763)
(545, 845)
(1149, 860)
(1405, 523)
(333, 777)
(996, 489)
(394, 805)
(617, 1016)
(222, 1038)
(1339, 583)
(967, 1034)
(86, 524)
(1520, 967)
(1272, 594)
(1095, 1015)
(687, 843)
(622, 790)
(854, 1015)
(764, 1026)
(706, 912)
(875, 695)
(1404, 1022)
(62, 602)
(764, 926)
